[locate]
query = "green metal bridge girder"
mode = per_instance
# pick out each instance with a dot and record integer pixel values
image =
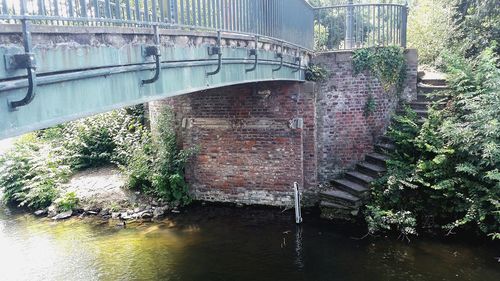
(85, 72)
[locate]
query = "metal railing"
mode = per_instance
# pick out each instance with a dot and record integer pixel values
(290, 21)
(353, 26)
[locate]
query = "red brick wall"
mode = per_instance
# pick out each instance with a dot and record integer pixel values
(249, 153)
(345, 133)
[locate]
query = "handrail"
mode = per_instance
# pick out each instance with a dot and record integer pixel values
(290, 21)
(358, 5)
(351, 26)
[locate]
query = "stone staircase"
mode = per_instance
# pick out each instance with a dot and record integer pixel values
(345, 195)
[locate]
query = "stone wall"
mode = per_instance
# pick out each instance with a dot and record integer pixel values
(255, 140)
(345, 132)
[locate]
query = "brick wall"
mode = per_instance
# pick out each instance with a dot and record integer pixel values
(249, 152)
(344, 132)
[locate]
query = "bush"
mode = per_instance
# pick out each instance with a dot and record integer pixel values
(68, 202)
(33, 171)
(157, 166)
(447, 173)
(30, 173)
(316, 73)
(40, 162)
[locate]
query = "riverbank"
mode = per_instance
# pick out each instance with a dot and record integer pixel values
(103, 192)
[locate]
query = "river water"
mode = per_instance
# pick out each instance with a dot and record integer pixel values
(222, 243)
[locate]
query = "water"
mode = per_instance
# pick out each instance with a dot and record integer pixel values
(220, 243)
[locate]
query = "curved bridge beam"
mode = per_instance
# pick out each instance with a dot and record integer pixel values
(88, 70)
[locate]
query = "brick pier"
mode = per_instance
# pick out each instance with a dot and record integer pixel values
(257, 139)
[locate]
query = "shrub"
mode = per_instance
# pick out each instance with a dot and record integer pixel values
(316, 73)
(68, 202)
(30, 173)
(157, 165)
(447, 173)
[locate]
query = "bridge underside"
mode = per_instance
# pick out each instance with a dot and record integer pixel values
(87, 70)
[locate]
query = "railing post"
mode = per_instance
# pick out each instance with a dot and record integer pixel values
(404, 21)
(349, 26)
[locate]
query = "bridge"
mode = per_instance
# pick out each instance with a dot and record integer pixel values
(67, 59)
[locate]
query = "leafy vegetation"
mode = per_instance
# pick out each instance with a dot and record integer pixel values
(68, 202)
(158, 165)
(370, 105)
(465, 26)
(388, 64)
(316, 73)
(429, 26)
(446, 175)
(32, 173)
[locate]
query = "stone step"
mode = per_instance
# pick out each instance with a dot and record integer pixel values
(334, 211)
(428, 98)
(385, 139)
(326, 204)
(419, 104)
(340, 197)
(377, 158)
(425, 89)
(350, 187)
(421, 121)
(384, 147)
(371, 169)
(422, 113)
(359, 178)
(433, 81)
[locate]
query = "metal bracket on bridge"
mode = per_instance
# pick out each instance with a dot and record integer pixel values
(253, 52)
(298, 60)
(149, 51)
(279, 55)
(26, 60)
(216, 50)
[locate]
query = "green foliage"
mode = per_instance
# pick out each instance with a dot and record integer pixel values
(430, 26)
(477, 26)
(31, 172)
(157, 166)
(316, 73)
(388, 64)
(321, 35)
(370, 106)
(447, 173)
(466, 26)
(329, 31)
(380, 220)
(68, 202)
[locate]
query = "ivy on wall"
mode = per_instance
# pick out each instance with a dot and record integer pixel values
(388, 64)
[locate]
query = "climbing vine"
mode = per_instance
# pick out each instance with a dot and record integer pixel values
(388, 64)
(370, 105)
(316, 73)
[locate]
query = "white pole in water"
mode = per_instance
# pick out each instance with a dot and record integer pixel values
(298, 216)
